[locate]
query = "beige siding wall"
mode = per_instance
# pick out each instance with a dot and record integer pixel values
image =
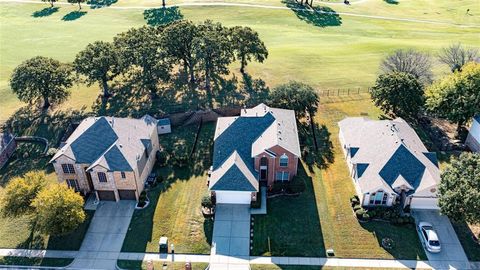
(79, 174)
(150, 162)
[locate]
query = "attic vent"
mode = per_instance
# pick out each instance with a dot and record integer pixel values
(120, 145)
(138, 157)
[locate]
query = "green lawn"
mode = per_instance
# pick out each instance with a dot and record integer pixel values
(136, 265)
(326, 57)
(175, 209)
(57, 262)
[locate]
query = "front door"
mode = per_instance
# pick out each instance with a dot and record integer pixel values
(89, 180)
(263, 169)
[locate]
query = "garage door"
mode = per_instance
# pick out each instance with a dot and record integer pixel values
(106, 195)
(424, 203)
(235, 197)
(126, 194)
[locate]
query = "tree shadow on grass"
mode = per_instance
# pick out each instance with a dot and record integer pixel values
(72, 16)
(161, 16)
(45, 12)
(391, 2)
(321, 157)
(100, 3)
(317, 16)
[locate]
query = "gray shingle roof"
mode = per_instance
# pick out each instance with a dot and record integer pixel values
(394, 154)
(233, 179)
(93, 142)
(114, 143)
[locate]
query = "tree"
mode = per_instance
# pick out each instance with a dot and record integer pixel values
(76, 2)
(409, 61)
(98, 62)
(459, 189)
(142, 48)
(50, 1)
(398, 94)
(295, 96)
(59, 210)
(456, 97)
(20, 192)
(42, 78)
(214, 50)
(456, 56)
(247, 46)
(178, 42)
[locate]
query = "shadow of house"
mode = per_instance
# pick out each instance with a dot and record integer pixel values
(100, 3)
(298, 235)
(161, 16)
(317, 16)
(74, 15)
(45, 12)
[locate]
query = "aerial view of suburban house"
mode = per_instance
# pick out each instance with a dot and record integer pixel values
(258, 147)
(109, 156)
(473, 138)
(7, 147)
(389, 163)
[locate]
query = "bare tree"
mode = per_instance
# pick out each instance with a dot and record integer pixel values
(411, 62)
(457, 55)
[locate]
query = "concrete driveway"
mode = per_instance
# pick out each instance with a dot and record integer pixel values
(231, 237)
(452, 255)
(104, 239)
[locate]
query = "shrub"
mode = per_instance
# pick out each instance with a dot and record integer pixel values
(354, 197)
(162, 157)
(207, 201)
(365, 216)
(372, 213)
(357, 207)
(354, 202)
(52, 151)
(359, 213)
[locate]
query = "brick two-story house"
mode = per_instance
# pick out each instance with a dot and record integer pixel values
(260, 145)
(111, 157)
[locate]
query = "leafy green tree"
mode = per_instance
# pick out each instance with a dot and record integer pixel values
(456, 97)
(142, 48)
(76, 2)
(59, 210)
(459, 189)
(247, 46)
(42, 78)
(296, 96)
(20, 192)
(214, 50)
(398, 94)
(98, 62)
(409, 61)
(178, 42)
(457, 55)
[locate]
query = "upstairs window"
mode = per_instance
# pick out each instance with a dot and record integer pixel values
(284, 161)
(102, 177)
(123, 175)
(73, 183)
(282, 176)
(68, 168)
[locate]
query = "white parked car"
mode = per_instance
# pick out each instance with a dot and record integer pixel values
(429, 237)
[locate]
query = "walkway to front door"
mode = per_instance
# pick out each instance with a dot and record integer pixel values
(231, 237)
(103, 242)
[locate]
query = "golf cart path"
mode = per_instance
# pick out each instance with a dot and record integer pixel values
(200, 4)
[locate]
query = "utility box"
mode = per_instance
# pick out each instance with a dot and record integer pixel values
(163, 245)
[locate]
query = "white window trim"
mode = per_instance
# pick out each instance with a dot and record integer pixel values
(284, 156)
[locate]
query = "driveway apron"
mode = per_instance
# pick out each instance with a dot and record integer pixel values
(104, 239)
(231, 237)
(452, 255)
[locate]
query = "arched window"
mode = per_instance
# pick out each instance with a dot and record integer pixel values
(379, 198)
(284, 161)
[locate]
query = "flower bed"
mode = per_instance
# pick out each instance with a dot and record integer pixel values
(393, 214)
